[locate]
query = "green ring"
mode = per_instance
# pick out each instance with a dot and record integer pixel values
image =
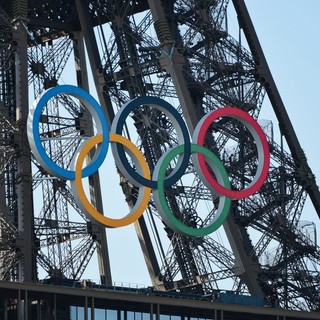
(160, 198)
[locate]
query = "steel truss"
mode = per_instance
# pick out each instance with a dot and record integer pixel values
(182, 52)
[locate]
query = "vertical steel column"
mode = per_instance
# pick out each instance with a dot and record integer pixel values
(86, 308)
(92, 309)
(23, 157)
(6, 309)
(19, 309)
(151, 311)
(26, 306)
(55, 306)
(94, 180)
(94, 58)
(39, 309)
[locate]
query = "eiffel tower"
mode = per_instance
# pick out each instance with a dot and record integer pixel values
(182, 52)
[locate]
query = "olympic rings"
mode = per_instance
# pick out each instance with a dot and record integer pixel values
(161, 201)
(81, 198)
(182, 132)
(202, 158)
(33, 132)
(261, 143)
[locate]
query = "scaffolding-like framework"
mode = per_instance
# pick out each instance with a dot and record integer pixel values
(182, 52)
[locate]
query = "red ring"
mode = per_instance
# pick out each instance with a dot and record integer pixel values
(240, 115)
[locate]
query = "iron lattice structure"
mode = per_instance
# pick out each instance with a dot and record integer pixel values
(182, 52)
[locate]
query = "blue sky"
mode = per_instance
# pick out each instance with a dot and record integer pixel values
(287, 30)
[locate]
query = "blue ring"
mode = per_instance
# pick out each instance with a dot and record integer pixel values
(81, 95)
(124, 112)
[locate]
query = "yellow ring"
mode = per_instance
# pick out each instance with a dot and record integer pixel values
(144, 192)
